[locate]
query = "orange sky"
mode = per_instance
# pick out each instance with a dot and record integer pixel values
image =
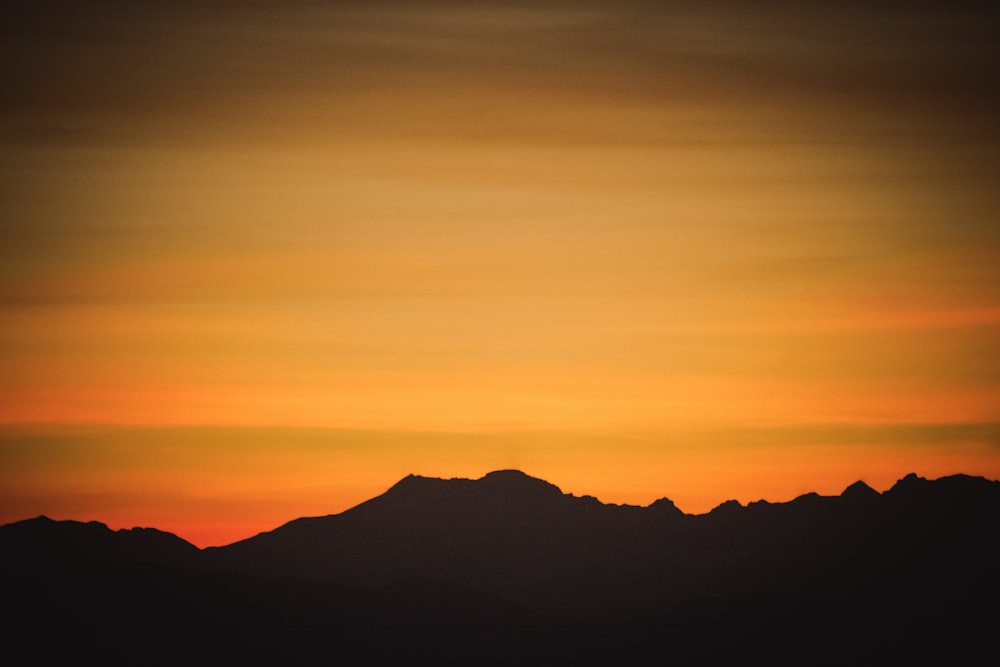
(260, 263)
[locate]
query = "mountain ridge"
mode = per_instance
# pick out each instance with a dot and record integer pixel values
(513, 480)
(514, 555)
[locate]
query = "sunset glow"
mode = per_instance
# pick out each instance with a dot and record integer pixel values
(260, 263)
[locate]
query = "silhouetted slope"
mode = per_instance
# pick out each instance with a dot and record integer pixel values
(507, 534)
(72, 574)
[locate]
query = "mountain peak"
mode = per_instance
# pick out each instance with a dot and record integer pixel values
(909, 483)
(666, 506)
(506, 481)
(727, 508)
(507, 473)
(515, 480)
(859, 490)
(507, 487)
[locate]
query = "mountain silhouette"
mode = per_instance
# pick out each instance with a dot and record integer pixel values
(513, 558)
(42, 542)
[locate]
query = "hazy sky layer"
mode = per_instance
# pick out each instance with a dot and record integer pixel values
(277, 255)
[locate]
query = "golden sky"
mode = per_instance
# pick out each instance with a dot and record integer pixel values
(260, 260)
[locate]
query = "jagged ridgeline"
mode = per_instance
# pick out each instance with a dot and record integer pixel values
(508, 551)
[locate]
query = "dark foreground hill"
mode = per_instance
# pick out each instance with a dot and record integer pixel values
(509, 567)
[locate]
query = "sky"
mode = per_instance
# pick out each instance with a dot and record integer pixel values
(261, 260)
